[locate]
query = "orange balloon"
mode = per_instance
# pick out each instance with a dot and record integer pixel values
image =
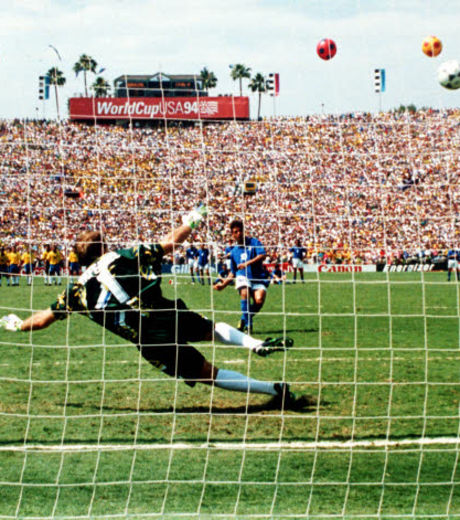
(431, 46)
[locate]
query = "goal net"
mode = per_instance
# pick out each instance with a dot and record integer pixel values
(89, 429)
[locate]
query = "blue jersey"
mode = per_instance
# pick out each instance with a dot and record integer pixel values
(222, 269)
(298, 252)
(242, 253)
(191, 253)
(203, 257)
(452, 254)
(227, 251)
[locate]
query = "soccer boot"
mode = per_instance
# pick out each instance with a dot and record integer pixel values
(284, 399)
(271, 345)
(242, 327)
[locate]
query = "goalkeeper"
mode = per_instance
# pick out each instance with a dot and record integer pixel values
(121, 291)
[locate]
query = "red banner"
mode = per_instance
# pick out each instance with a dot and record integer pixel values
(206, 108)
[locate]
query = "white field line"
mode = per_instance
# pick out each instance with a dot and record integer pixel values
(243, 361)
(230, 446)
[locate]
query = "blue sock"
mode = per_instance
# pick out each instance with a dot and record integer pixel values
(244, 304)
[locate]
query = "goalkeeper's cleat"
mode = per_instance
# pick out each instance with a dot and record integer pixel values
(271, 345)
(284, 399)
(194, 218)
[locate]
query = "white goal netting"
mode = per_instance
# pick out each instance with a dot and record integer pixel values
(89, 429)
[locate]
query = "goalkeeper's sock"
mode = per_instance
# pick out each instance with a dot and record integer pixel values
(231, 380)
(225, 333)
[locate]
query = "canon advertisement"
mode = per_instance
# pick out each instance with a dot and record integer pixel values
(328, 268)
(205, 108)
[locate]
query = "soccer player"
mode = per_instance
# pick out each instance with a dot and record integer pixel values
(248, 270)
(14, 259)
(54, 258)
(27, 260)
(277, 276)
(121, 291)
(46, 264)
(298, 255)
(191, 255)
(453, 263)
(203, 264)
(222, 271)
(4, 266)
(74, 266)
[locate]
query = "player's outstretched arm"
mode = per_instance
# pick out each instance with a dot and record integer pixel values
(36, 321)
(39, 320)
(180, 234)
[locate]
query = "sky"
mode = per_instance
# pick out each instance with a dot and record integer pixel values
(183, 36)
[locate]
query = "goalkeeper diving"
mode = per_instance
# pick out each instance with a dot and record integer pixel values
(121, 291)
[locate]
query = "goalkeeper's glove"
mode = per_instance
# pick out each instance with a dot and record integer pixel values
(194, 218)
(11, 322)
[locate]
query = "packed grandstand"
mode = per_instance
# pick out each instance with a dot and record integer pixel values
(358, 188)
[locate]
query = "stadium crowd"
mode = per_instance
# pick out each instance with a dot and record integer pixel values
(353, 188)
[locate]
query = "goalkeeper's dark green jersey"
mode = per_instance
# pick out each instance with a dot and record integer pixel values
(121, 291)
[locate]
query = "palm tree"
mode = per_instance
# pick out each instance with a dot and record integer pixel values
(56, 78)
(258, 84)
(100, 87)
(208, 78)
(240, 71)
(85, 64)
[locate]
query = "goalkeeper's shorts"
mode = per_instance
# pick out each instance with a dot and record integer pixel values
(165, 336)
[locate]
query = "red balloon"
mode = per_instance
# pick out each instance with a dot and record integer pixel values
(326, 49)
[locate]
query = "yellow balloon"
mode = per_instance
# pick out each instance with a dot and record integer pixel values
(432, 46)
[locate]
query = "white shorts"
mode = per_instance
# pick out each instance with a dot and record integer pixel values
(297, 263)
(193, 263)
(452, 264)
(243, 281)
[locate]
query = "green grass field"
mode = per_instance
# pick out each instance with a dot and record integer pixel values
(89, 429)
